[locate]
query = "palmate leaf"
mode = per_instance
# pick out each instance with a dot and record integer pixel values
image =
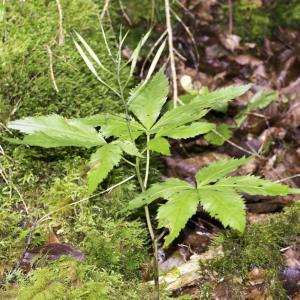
(160, 190)
(197, 108)
(114, 125)
(146, 102)
(185, 132)
(176, 212)
(219, 196)
(56, 131)
(101, 163)
(160, 145)
(225, 205)
(219, 169)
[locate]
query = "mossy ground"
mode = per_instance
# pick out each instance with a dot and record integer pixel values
(253, 20)
(258, 247)
(48, 180)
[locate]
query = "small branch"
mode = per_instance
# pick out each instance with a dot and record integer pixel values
(171, 52)
(51, 68)
(61, 37)
(230, 22)
(186, 28)
(85, 199)
(125, 15)
(287, 178)
(237, 146)
(105, 8)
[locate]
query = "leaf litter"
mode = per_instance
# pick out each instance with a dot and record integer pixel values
(263, 122)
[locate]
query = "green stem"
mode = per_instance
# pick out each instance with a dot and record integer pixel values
(143, 184)
(147, 163)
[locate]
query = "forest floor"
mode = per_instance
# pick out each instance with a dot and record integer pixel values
(93, 249)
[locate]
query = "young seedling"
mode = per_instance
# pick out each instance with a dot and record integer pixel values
(215, 191)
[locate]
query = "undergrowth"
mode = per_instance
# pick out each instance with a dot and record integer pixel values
(48, 180)
(253, 20)
(259, 247)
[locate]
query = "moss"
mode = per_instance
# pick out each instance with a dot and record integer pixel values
(49, 180)
(68, 279)
(258, 247)
(26, 85)
(253, 20)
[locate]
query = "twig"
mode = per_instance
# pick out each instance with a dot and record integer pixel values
(105, 8)
(179, 55)
(186, 28)
(287, 178)
(171, 52)
(125, 15)
(51, 68)
(237, 146)
(230, 22)
(61, 37)
(84, 199)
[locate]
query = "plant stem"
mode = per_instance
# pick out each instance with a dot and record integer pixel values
(147, 163)
(171, 52)
(143, 184)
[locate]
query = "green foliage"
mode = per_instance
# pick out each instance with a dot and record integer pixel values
(101, 163)
(220, 200)
(185, 132)
(160, 145)
(218, 136)
(176, 212)
(68, 279)
(218, 194)
(259, 100)
(147, 99)
(114, 125)
(254, 20)
(56, 131)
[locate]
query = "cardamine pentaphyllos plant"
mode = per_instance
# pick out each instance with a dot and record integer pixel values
(218, 193)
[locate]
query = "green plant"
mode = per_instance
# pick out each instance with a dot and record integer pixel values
(141, 130)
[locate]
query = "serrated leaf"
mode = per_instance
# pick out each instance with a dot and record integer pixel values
(114, 125)
(225, 205)
(219, 169)
(101, 163)
(160, 145)
(129, 148)
(189, 131)
(219, 135)
(180, 116)
(146, 104)
(260, 100)
(222, 95)
(160, 190)
(198, 107)
(253, 185)
(176, 212)
(56, 131)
